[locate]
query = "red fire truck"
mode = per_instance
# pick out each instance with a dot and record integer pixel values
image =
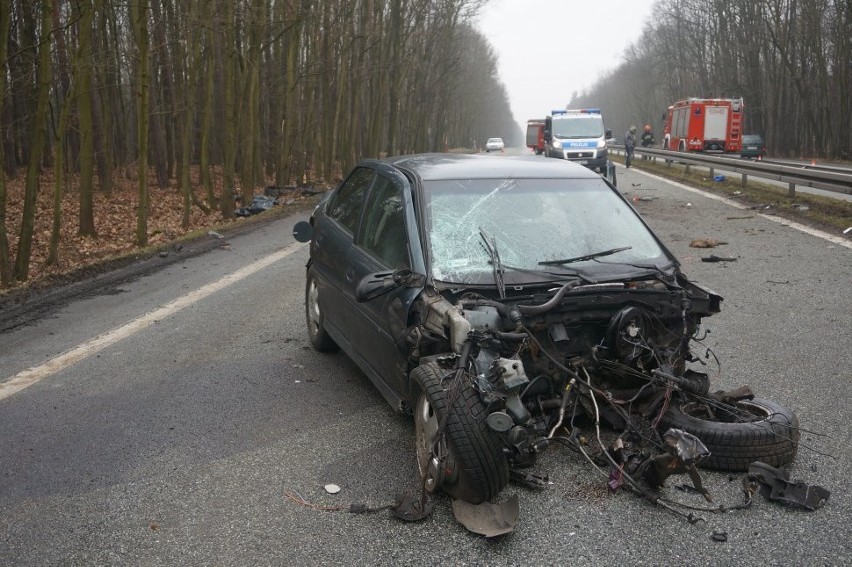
(535, 135)
(712, 125)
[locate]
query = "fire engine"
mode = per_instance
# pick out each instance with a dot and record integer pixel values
(712, 125)
(535, 135)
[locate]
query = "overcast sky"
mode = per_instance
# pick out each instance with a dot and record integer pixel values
(548, 49)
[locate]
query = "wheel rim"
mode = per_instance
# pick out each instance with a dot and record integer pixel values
(425, 431)
(314, 314)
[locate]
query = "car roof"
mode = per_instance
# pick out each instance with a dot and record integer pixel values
(432, 167)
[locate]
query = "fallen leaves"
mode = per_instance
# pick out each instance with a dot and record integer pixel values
(115, 222)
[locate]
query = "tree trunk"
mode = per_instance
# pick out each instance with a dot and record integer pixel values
(230, 53)
(140, 28)
(84, 108)
(210, 34)
(39, 138)
(5, 263)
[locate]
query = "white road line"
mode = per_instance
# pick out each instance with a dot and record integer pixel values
(33, 375)
(780, 220)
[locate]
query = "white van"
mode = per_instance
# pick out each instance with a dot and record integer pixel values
(577, 135)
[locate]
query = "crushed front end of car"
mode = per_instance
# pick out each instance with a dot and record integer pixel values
(526, 334)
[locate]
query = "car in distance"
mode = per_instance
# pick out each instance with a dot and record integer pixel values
(753, 147)
(500, 301)
(494, 145)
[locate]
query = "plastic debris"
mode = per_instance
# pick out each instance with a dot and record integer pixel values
(332, 488)
(719, 178)
(214, 234)
(488, 519)
(259, 203)
(719, 536)
(714, 258)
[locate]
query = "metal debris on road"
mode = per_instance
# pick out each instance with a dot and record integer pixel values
(775, 485)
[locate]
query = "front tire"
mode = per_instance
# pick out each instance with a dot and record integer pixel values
(739, 434)
(314, 316)
(473, 467)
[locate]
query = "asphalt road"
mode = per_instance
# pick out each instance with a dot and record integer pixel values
(175, 440)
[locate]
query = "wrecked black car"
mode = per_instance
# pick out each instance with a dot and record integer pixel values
(502, 301)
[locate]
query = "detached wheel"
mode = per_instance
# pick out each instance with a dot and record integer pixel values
(314, 316)
(466, 460)
(739, 434)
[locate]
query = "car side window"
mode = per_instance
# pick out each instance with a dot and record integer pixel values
(384, 233)
(345, 206)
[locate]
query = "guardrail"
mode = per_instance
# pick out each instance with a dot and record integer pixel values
(833, 179)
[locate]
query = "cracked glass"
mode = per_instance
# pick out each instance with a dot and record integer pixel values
(530, 221)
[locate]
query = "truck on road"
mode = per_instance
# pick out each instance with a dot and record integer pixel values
(535, 135)
(711, 125)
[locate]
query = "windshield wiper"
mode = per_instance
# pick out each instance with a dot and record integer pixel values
(490, 246)
(584, 258)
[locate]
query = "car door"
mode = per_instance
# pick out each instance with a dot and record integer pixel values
(334, 235)
(383, 244)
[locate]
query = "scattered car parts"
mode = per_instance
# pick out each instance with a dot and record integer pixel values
(775, 484)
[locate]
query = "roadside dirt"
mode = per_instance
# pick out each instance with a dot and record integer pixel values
(90, 263)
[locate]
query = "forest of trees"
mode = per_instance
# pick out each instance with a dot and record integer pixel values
(248, 92)
(232, 95)
(790, 60)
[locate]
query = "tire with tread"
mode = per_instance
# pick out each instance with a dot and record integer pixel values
(481, 470)
(314, 317)
(772, 437)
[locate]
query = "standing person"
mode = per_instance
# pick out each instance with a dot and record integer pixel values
(647, 140)
(629, 145)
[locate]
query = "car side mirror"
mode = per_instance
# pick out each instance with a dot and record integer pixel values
(608, 134)
(377, 284)
(303, 231)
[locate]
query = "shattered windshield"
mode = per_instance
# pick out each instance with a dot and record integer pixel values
(578, 127)
(530, 221)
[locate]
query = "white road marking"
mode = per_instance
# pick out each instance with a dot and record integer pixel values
(33, 375)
